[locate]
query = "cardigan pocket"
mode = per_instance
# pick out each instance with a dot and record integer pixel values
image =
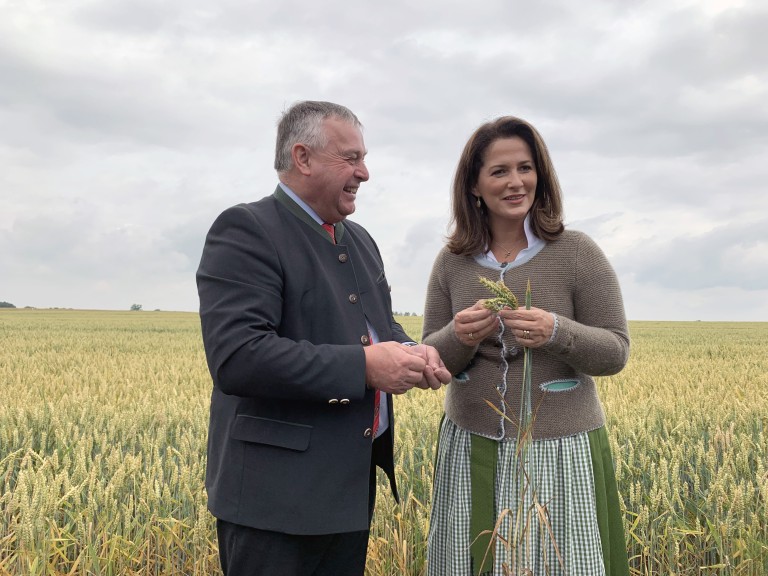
(461, 378)
(559, 385)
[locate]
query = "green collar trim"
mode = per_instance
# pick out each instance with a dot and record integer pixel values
(301, 214)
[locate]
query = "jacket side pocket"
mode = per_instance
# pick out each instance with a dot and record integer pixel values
(271, 432)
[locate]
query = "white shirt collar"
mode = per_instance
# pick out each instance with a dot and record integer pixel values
(534, 244)
(306, 207)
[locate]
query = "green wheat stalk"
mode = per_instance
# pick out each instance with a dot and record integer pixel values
(521, 534)
(527, 367)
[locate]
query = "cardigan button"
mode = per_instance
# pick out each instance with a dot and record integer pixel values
(367, 432)
(365, 339)
(353, 298)
(344, 401)
(333, 401)
(343, 258)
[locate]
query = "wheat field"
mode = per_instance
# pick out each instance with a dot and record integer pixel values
(104, 415)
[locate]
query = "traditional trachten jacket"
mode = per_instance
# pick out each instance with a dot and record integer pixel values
(285, 315)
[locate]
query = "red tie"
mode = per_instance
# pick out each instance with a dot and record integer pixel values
(376, 404)
(377, 398)
(331, 230)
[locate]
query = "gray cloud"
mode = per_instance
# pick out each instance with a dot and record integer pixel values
(733, 256)
(129, 126)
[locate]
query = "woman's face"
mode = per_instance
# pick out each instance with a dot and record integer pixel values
(507, 181)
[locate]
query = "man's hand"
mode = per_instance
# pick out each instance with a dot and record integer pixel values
(392, 367)
(435, 373)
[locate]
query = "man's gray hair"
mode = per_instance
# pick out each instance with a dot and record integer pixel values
(302, 123)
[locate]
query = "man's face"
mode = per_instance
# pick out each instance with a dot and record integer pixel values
(336, 171)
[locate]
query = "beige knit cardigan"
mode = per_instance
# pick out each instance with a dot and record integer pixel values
(570, 277)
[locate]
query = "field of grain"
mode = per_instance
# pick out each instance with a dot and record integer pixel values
(103, 423)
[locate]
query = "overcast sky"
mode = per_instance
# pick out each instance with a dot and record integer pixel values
(126, 127)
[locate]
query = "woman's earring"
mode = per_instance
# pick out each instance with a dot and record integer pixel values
(477, 202)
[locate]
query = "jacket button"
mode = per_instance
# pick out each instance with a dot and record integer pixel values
(333, 401)
(344, 401)
(353, 298)
(367, 432)
(365, 340)
(343, 258)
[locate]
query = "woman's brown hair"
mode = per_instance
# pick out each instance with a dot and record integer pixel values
(471, 233)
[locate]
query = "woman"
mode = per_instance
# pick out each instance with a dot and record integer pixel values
(532, 465)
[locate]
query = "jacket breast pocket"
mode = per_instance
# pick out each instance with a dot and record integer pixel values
(379, 284)
(271, 432)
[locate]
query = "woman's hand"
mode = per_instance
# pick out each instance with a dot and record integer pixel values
(475, 323)
(531, 328)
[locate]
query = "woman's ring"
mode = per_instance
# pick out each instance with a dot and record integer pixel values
(527, 334)
(471, 336)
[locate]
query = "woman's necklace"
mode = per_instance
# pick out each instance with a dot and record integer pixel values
(507, 253)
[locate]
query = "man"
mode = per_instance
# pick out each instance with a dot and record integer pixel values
(299, 337)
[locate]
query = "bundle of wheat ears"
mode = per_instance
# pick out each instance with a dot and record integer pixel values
(504, 296)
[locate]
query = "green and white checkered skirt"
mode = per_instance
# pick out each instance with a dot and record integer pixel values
(560, 516)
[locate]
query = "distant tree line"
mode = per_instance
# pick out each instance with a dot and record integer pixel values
(6, 305)
(405, 313)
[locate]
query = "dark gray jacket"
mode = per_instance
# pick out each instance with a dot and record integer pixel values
(283, 313)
